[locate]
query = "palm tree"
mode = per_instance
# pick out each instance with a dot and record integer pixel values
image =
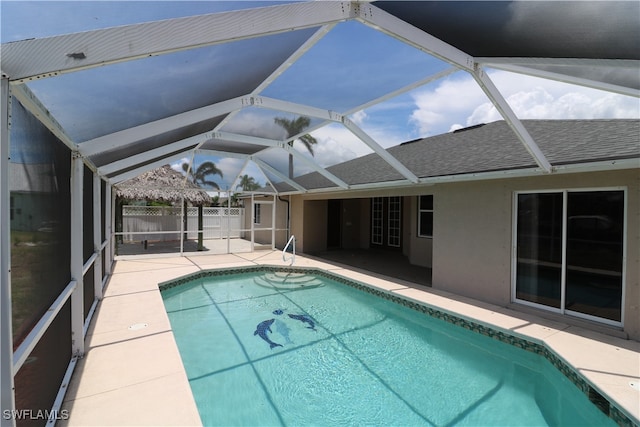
(199, 176)
(248, 183)
(295, 127)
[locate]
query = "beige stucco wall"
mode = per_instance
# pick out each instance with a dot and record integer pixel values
(315, 226)
(418, 249)
(309, 224)
(352, 218)
(470, 252)
(473, 235)
(472, 240)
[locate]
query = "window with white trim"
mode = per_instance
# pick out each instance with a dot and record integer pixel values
(425, 216)
(569, 252)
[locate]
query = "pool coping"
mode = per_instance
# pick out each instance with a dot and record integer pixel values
(530, 343)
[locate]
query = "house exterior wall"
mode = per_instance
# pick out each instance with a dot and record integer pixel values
(473, 227)
(309, 224)
(471, 249)
(315, 226)
(419, 250)
(351, 218)
(472, 240)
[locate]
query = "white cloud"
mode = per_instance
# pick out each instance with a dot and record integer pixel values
(445, 104)
(230, 168)
(387, 130)
(177, 165)
(359, 117)
(336, 144)
(459, 102)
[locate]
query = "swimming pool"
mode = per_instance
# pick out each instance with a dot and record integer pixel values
(270, 347)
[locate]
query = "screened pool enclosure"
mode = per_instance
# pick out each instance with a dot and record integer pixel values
(96, 93)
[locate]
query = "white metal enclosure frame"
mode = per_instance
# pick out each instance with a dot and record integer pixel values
(155, 142)
(49, 57)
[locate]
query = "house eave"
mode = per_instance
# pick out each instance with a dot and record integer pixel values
(599, 166)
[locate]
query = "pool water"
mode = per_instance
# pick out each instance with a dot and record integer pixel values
(275, 348)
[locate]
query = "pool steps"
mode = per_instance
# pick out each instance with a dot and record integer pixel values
(287, 280)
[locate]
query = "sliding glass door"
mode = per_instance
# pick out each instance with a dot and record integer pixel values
(569, 252)
(539, 244)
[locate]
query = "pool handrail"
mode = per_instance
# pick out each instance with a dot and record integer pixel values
(284, 251)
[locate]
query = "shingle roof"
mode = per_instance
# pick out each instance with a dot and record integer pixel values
(491, 147)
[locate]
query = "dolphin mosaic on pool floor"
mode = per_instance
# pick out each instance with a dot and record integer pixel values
(605, 404)
(282, 328)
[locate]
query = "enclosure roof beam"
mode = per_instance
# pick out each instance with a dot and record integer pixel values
(32, 104)
(510, 117)
(402, 90)
(261, 164)
(226, 136)
(376, 101)
(246, 139)
(158, 127)
(131, 161)
(315, 166)
(244, 166)
(51, 56)
(219, 153)
(265, 166)
(292, 107)
(386, 156)
(514, 67)
(393, 26)
(333, 116)
(306, 46)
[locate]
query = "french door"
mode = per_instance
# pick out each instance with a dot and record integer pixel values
(386, 222)
(569, 250)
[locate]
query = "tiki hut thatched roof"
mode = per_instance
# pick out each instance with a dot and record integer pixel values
(162, 184)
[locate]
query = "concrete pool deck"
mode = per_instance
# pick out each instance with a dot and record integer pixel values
(132, 374)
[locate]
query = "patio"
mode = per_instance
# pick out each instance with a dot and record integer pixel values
(210, 246)
(386, 263)
(131, 335)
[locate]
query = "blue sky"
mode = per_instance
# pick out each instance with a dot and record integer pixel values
(348, 67)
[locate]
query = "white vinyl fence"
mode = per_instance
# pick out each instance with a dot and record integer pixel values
(162, 223)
